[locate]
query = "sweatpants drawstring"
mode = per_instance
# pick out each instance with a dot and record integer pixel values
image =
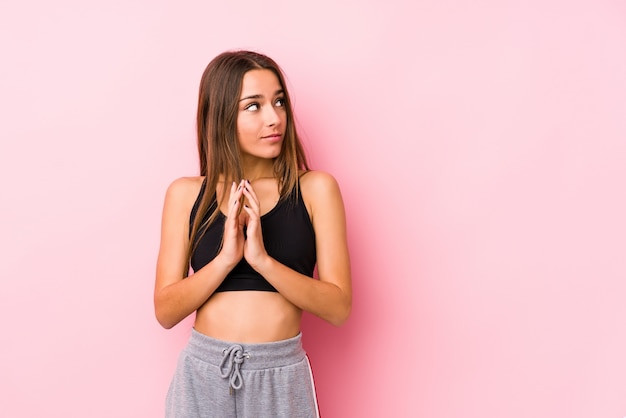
(234, 356)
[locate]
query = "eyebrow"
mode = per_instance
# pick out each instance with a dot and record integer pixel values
(260, 96)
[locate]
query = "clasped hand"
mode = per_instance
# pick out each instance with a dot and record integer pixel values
(238, 245)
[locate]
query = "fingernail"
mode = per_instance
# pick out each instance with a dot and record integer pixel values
(247, 181)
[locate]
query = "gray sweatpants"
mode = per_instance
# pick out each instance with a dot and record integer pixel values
(222, 379)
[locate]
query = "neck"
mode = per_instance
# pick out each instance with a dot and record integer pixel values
(257, 168)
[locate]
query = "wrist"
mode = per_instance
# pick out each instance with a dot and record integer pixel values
(224, 263)
(262, 264)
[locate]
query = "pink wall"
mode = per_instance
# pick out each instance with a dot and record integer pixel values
(480, 147)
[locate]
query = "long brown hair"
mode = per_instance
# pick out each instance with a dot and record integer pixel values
(218, 147)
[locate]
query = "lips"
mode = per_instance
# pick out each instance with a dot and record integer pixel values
(273, 137)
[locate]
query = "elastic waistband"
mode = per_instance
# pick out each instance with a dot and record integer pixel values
(257, 356)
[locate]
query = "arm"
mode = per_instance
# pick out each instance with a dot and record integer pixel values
(330, 297)
(175, 298)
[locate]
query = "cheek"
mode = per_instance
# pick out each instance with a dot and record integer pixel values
(246, 133)
(246, 126)
(242, 129)
(283, 117)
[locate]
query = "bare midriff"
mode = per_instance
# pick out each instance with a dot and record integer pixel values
(248, 317)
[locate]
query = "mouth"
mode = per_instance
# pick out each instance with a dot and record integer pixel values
(273, 137)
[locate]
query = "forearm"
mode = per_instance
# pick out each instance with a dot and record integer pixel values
(323, 299)
(175, 302)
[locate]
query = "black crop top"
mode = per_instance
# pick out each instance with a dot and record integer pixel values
(288, 236)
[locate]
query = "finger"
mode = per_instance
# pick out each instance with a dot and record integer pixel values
(234, 205)
(242, 218)
(250, 211)
(254, 207)
(252, 218)
(252, 199)
(231, 216)
(234, 201)
(248, 187)
(236, 191)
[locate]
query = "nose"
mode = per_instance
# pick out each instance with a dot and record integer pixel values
(271, 116)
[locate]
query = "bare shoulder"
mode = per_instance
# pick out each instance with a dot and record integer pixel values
(183, 192)
(320, 190)
(185, 185)
(315, 182)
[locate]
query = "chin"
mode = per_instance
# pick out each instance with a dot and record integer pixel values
(265, 153)
(273, 153)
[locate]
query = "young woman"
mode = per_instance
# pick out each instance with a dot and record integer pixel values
(252, 226)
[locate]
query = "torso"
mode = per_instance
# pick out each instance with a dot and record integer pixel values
(249, 316)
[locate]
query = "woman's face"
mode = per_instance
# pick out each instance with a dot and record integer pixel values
(262, 116)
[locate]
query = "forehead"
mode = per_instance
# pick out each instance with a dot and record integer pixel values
(260, 81)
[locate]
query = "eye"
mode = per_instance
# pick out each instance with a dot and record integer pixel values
(280, 102)
(252, 107)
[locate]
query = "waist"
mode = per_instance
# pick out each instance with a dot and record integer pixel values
(258, 355)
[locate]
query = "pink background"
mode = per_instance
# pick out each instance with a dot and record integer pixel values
(480, 146)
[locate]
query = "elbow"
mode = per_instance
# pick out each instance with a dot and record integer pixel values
(164, 322)
(341, 315)
(163, 317)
